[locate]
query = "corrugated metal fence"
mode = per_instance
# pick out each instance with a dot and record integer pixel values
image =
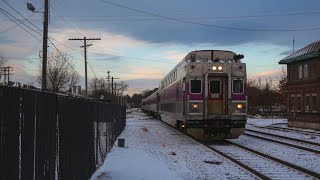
(50, 136)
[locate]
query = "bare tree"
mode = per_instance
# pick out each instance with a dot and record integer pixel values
(3, 60)
(98, 88)
(60, 74)
(120, 88)
(282, 89)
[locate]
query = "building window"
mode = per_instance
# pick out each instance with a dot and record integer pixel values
(291, 102)
(307, 103)
(314, 102)
(195, 86)
(298, 99)
(300, 71)
(305, 71)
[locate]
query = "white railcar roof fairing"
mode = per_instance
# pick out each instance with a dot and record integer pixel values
(206, 55)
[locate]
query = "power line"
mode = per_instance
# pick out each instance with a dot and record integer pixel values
(113, 55)
(85, 45)
(117, 18)
(209, 25)
(92, 70)
(6, 14)
(64, 19)
(15, 25)
(128, 57)
(22, 16)
(63, 57)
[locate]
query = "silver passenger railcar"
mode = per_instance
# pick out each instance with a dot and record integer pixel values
(205, 95)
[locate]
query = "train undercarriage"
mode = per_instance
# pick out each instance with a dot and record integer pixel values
(213, 129)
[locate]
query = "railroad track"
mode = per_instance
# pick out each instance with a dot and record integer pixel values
(259, 164)
(288, 130)
(292, 142)
(262, 165)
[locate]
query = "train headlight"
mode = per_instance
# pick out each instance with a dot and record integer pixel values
(195, 106)
(239, 106)
(214, 68)
(220, 68)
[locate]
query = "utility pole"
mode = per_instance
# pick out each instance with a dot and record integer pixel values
(3, 74)
(45, 45)
(112, 91)
(44, 41)
(108, 79)
(6, 74)
(85, 45)
(293, 45)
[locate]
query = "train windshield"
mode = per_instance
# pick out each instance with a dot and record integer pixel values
(238, 86)
(195, 86)
(214, 87)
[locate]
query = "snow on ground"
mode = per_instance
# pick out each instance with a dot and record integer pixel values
(281, 123)
(266, 122)
(154, 150)
(295, 156)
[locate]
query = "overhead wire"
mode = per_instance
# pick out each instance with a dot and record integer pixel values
(209, 25)
(129, 18)
(127, 57)
(74, 22)
(63, 57)
(64, 19)
(23, 18)
(15, 25)
(19, 24)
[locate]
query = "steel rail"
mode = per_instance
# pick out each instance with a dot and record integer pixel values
(242, 165)
(293, 139)
(293, 166)
(289, 130)
(284, 143)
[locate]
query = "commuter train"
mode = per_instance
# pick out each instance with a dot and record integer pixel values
(204, 95)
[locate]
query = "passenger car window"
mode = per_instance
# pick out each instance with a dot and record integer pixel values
(195, 86)
(237, 86)
(215, 87)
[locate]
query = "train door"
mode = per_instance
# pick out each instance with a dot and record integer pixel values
(217, 95)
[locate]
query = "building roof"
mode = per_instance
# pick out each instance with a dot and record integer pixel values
(310, 51)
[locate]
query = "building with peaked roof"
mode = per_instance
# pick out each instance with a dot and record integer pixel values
(303, 72)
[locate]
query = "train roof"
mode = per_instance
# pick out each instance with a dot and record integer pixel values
(205, 56)
(150, 96)
(210, 55)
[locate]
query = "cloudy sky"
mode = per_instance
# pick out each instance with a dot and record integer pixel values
(145, 39)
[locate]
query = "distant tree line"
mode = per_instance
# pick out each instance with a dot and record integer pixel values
(268, 95)
(136, 99)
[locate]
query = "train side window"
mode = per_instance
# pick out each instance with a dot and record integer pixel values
(215, 87)
(195, 86)
(237, 87)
